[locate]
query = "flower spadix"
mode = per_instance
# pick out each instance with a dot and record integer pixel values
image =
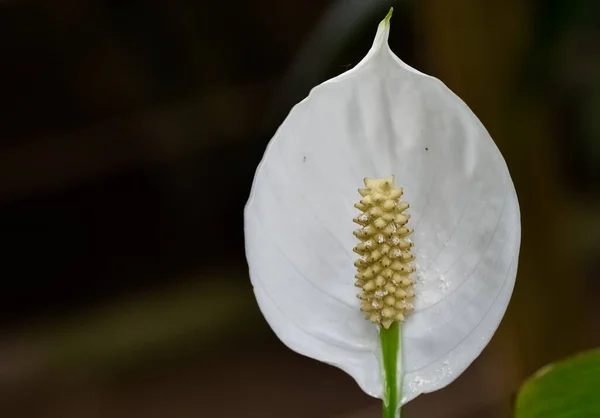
(383, 269)
(383, 118)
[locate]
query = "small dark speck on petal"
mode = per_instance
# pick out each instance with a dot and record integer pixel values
(426, 149)
(304, 159)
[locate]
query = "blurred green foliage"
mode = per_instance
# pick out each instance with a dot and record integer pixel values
(567, 389)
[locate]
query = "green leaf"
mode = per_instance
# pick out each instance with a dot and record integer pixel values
(567, 389)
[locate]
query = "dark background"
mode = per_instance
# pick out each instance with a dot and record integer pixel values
(129, 136)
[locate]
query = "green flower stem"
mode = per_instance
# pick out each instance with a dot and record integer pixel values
(390, 347)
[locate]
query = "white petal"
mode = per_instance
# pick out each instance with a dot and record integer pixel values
(378, 119)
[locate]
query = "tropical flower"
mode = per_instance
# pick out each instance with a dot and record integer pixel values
(386, 122)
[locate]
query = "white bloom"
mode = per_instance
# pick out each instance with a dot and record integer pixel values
(379, 119)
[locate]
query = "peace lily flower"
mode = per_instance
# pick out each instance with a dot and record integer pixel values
(441, 270)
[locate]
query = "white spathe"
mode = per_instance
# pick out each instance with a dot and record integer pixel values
(378, 119)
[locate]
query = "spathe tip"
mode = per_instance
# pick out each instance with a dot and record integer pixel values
(389, 15)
